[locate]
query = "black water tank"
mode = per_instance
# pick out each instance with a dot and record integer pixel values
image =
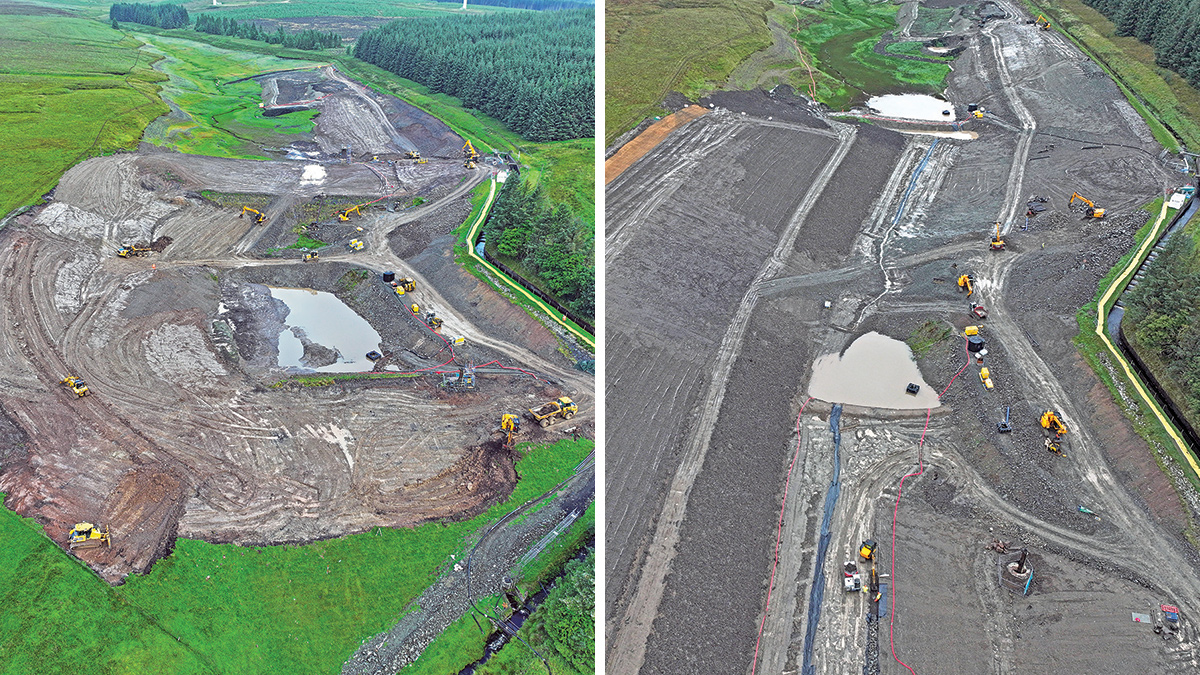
(389, 276)
(974, 343)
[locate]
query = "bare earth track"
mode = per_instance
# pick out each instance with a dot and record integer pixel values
(705, 385)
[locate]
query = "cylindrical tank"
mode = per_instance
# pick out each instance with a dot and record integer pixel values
(974, 343)
(389, 276)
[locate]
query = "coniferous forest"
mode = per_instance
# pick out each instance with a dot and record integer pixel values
(534, 71)
(163, 16)
(1172, 27)
(547, 240)
(306, 39)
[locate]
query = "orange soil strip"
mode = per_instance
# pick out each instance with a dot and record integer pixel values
(647, 141)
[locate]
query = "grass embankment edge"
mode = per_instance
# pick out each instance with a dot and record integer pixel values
(1147, 416)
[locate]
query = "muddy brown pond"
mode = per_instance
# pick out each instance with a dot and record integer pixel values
(873, 372)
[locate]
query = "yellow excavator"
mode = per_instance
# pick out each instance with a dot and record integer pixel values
(1092, 211)
(412, 154)
(469, 151)
(86, 535)
(997, 242)
(1051, 421)
(434, 321)
(77, 385)
(133, 251)
(259, 217)
(468, 164)
(345, 215)
(964, 282)
(1042, 22)
(510, 424)
(407, 284)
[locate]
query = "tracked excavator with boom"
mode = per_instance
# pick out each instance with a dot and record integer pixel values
(1051, 420)
(997, 242)
(1091, 211)
(469, 152)
(964, 282)
(259, 217)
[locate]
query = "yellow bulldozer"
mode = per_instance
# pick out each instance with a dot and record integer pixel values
(259, 217)
(133, 251)
(1091, 211)
(965, 282)
(86, 535)
(562, 407)
(76, 385)
(1051, 420)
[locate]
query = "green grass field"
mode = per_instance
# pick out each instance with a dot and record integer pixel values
(214, 118)
(657, 46)
(653, 47)
(69, 89)
(210, 608)
(841, 35)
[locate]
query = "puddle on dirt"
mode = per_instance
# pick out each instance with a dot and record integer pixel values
(874, 372)
(314, 174)
(327, 322)
(912, 106)
(962, 135)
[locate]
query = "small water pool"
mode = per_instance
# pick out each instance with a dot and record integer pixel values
(873, 372)
(912, 107)
(328, 322)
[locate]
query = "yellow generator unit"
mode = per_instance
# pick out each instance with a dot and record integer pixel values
(416, 308)
(356, 245)
(86, 535)
(971, 330)
(458, 340)
(985, 376)
(312, 257)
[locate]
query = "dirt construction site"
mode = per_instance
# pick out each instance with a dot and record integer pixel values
(738, 486)
(192, 427)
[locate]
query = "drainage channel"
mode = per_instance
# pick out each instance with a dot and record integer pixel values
(513, 624)
(1112, 324)
(817, 594)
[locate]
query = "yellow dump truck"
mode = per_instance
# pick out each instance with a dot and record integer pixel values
(562, 407)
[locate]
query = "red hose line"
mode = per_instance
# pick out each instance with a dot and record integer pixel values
(778, 538)
(896, 512)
